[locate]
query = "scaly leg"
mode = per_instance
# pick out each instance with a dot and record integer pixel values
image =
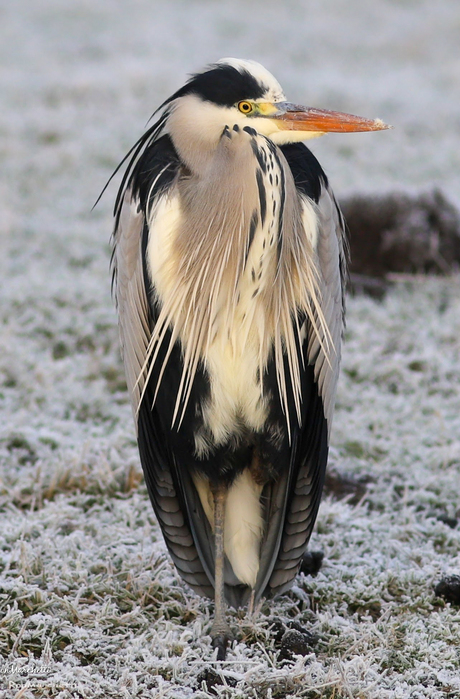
(251, 603)
(220, 632)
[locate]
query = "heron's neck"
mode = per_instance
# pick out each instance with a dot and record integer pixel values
(195, 128)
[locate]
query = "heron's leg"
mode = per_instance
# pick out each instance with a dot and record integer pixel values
(251, 603)
(220, 632)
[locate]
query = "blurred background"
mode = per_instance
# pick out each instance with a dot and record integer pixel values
(80, 79)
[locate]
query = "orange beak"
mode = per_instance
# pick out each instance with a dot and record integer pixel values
(294, 117)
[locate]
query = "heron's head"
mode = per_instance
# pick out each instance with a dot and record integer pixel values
(234, 91)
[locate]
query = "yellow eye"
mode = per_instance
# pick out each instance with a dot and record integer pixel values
(245, 107)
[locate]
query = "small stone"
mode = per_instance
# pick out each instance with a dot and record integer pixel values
(212, 679)
(311, 562)
(450, 521)
(449, 589)
(311, 638)
(294, 642)
(292, 639)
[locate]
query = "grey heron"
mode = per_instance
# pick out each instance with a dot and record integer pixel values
(229, 267)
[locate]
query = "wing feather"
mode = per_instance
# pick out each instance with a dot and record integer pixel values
(300, 493)
(135, 326)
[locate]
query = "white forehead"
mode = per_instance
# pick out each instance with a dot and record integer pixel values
(262, 75)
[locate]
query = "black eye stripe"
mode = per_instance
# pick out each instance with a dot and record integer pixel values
(224, 85)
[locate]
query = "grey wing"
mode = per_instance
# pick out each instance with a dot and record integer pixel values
(130, 295)
(296, 497)
(135, 323)
(332, 264)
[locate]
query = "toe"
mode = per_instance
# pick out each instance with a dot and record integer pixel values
(221, 637)
(221, 642)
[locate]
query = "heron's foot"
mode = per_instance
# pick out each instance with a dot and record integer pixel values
(221, 636)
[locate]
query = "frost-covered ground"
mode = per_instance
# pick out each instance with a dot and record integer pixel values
(90, 605)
